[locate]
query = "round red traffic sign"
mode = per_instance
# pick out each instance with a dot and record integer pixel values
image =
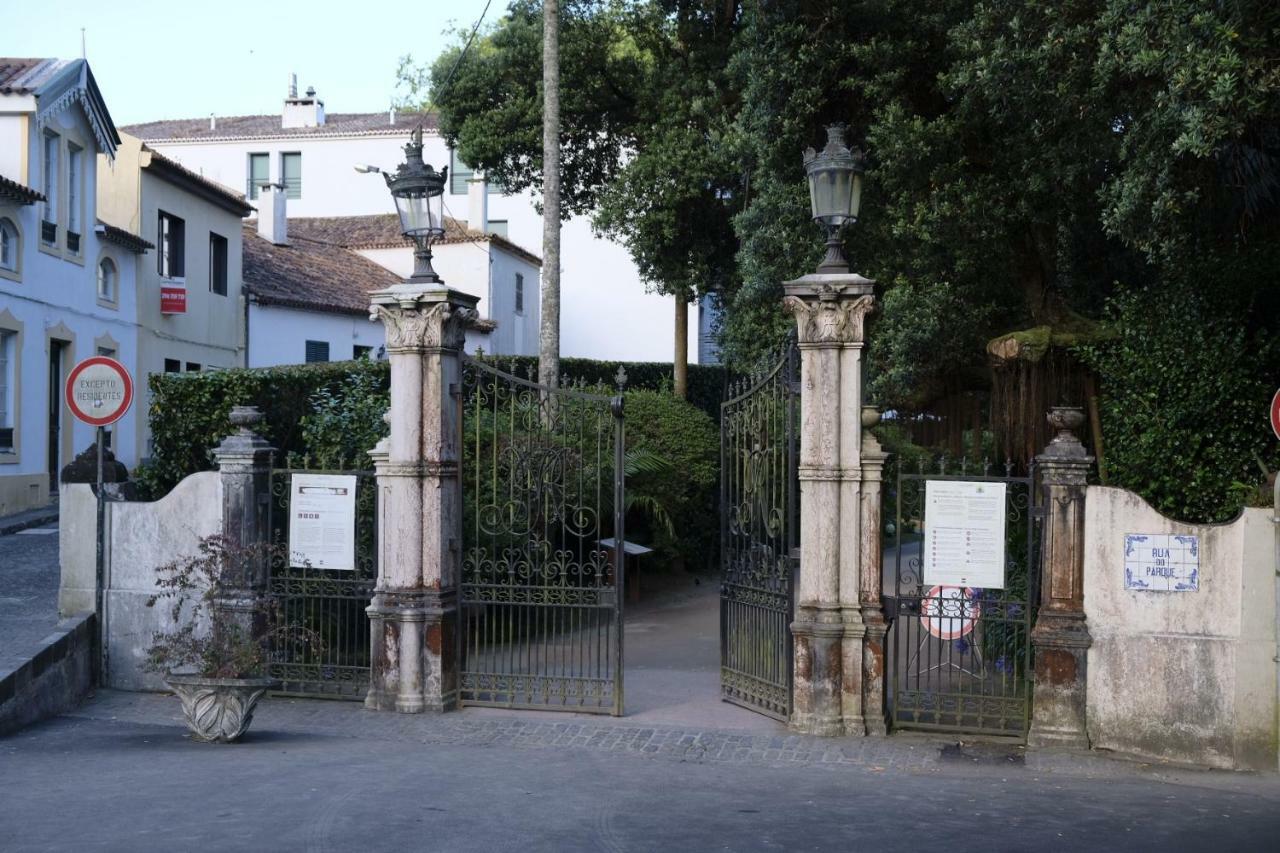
(1275, 414)
(99, 390)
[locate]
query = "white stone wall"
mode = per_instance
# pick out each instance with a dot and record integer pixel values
(279, 335)
(141, 537)
(1182, 676)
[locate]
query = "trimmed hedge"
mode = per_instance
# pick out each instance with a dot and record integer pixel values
(332, 412)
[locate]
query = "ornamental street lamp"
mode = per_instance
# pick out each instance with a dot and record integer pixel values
(418, 191)
(835, 192)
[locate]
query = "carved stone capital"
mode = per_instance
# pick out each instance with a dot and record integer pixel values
(830, 309)
(418, 319)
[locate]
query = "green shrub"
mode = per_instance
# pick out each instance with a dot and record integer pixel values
(1185, 385)
(690, 441)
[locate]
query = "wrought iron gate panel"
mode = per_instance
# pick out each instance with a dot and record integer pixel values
(759, 508)
(330, 602)
(539, 597)
(959, 660)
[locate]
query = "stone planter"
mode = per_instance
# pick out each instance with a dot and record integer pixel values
(218, 710)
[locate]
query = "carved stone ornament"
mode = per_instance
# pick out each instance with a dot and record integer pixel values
(441, 325)
(831, 318)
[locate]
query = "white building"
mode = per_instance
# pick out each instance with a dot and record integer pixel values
(605, 309)
(67, 282)
(190, 305)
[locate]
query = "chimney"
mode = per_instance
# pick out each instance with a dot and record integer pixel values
(478, 202)
(213, 122)
(305, 111)
(391, 116)
(272, 222)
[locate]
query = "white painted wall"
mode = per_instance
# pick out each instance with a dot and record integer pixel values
(606, 311)
(279, 335)
(1182, 676)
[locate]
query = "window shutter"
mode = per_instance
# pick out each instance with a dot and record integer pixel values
(317, 351)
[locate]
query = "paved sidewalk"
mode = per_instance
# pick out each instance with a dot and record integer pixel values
(40, 517)
(121, 774)
(29, 577)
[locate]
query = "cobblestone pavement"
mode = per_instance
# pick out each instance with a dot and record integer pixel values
(120, 774)
(28, 589)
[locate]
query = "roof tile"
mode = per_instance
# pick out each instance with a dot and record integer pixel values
(264, 126)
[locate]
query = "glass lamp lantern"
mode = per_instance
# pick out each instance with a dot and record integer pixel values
(835, 192)
(418, 190)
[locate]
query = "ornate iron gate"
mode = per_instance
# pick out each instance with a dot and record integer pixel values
(759, 535)
(959, 658)
(543, 488)
(330, 602)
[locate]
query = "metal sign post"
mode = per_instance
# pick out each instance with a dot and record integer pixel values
(99, 391)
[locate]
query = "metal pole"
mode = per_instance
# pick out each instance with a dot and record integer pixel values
(100, 607)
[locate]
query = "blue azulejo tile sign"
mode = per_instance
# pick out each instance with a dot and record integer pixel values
(1161, 562)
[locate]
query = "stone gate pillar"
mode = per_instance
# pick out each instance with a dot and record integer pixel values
(830, 311)
(873, 459)
(1061, 636)
(413, 614)
(244, 461)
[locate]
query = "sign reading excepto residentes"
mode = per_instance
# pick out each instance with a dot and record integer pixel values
(99, 391)
(322, 521)
(1161, 562)
(964, 533)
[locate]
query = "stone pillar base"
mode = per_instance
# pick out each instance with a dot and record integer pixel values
(816, 707)
(1058, 715)
(851, 683)
(873, 671)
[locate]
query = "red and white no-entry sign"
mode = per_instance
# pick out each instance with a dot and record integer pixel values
(99, 391)
(1275, 414)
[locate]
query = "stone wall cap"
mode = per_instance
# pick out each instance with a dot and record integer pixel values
(850, 284)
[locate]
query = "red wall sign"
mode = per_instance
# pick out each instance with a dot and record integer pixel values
(99, 390)
(173, 300)
(1275, 414)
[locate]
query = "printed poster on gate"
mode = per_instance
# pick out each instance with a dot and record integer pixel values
(964, 534)
(322, 521)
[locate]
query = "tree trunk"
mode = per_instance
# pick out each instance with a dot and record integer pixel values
(681, 359)
(549, 333)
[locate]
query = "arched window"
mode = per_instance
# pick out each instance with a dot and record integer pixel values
(107, 280)
(8, 246)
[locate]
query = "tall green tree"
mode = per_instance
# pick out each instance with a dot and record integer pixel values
(643, 124)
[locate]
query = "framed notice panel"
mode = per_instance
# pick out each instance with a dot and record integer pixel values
(964, 534)
(322, 521)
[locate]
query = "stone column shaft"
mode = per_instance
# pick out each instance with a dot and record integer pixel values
(244, 461)
(828, 630)
(873, 618)
(414, 609)
(1061, 635)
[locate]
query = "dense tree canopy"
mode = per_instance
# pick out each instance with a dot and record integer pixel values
(1030, 164)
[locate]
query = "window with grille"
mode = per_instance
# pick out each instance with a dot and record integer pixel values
(75, 161)
(259, 173)
(291, 175)
(49, 165)
(317, 351)
(7, 382)
(170, 246)
(217, 264)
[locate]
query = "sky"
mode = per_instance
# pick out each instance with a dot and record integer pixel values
(183, 59)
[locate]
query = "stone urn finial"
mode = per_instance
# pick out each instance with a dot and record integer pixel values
(1066, 443)
(245, 417)
(870, 416)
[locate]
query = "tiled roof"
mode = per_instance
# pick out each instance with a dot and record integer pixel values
(121, 237)
(21, 193)
(310, 274)
(18, 75)
(382, 231)
(213, 191)
(266, 126)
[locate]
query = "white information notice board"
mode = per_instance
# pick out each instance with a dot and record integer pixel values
(964, 534)
(322, 521)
